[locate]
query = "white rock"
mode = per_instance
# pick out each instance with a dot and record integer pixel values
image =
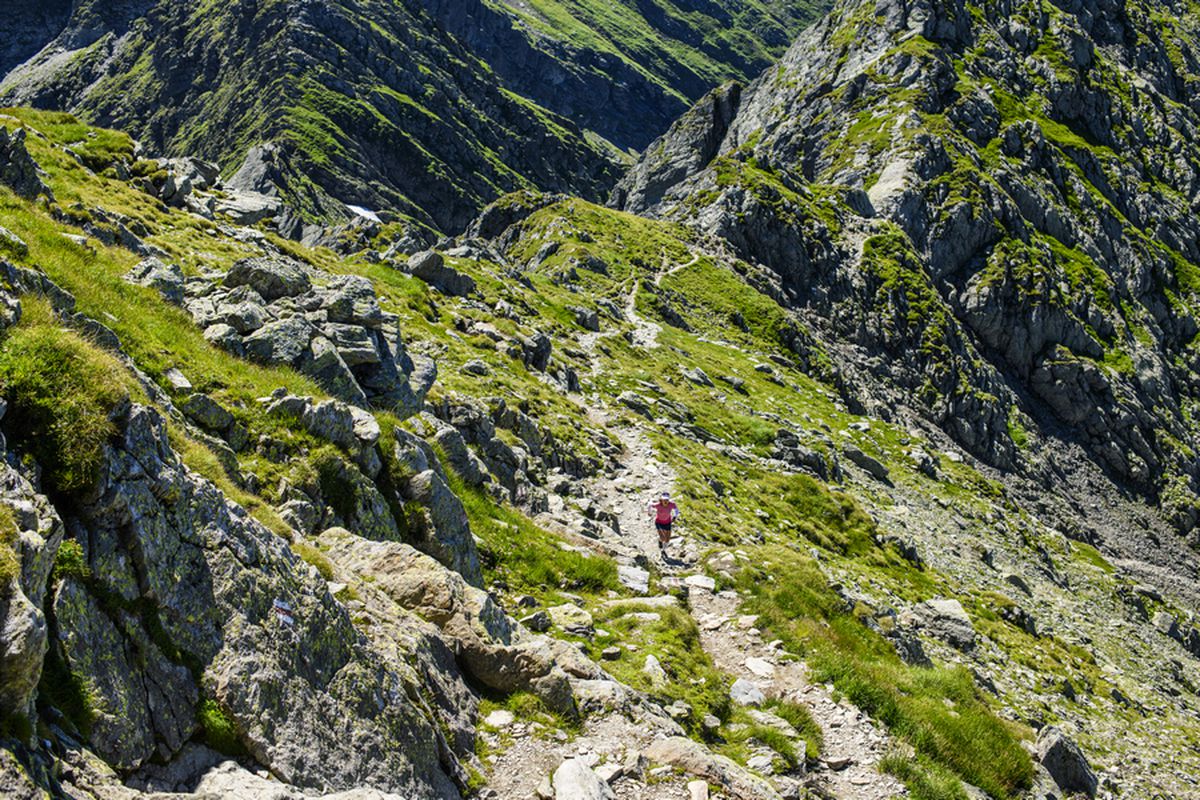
(500, 718)
(745, 693)
(609, 771)
(761, 764)
(760, 667)
(575, 780)
(634, 578)
(653, 670)
(698, 790)
(701, 582)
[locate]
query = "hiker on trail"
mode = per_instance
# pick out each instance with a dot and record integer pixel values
(665, 513)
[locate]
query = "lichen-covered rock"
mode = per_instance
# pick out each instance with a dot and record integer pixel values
(442, 527)
(181, 574)
(1065, 762)
(272, 278)
(492, 648)
(329, 327)
(167, 279)
(18, 171)
(431, 267)
(145, 705)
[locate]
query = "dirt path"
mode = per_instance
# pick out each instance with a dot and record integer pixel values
(645, 332)
(664, 272)
(854, 744)
(628, 492)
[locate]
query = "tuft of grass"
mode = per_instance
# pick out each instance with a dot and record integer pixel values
(62, 391)
(674, 639)
(70, 562)
(314, 556)
(217, 729)
(800, 718)
(525, 557)
(924, 779)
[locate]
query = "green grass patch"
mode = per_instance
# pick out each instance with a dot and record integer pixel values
(528, 559)
(62, 391)
(939, 711)
(217, 729)
(674, 639)
(924, 779)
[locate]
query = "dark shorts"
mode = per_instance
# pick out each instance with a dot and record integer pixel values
(662, 526)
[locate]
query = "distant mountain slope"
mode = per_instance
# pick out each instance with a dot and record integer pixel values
(431, 109)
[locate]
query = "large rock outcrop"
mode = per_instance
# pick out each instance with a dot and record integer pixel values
(179, 574)
(277, 311)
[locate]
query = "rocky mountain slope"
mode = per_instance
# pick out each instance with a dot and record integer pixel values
(906, 339)
(944, 187)
(423, 111)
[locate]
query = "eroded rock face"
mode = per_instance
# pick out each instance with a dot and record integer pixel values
(190, 597)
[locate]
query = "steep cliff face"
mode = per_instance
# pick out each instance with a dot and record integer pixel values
(992, 202)
(426, 111)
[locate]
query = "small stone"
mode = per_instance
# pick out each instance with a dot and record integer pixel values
(610, 653)
(477, 368)
(760, 667)
(572, 619)
(538, 622)
(745, 693)
(838, 763)
(500, 718)
(609, 771)
(697, 790)
(679, 710)
(653, 670)
(710, 722)
(701, 582)
(177, 380)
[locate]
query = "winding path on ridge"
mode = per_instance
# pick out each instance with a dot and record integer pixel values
(853, 744)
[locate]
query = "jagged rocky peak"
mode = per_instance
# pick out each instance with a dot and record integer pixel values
(949, 186)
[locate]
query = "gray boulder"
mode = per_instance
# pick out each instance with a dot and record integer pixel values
(490, 646)
(272, 278)
(575, 780)
(694, 758)
(1065, 762)
(14, 244)
(431, 267)
(18, 171)
(587, 318)
(946, 619)
(206, 412)
(283, 341)
(866, 463)
(167, 279)
(248, 208)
